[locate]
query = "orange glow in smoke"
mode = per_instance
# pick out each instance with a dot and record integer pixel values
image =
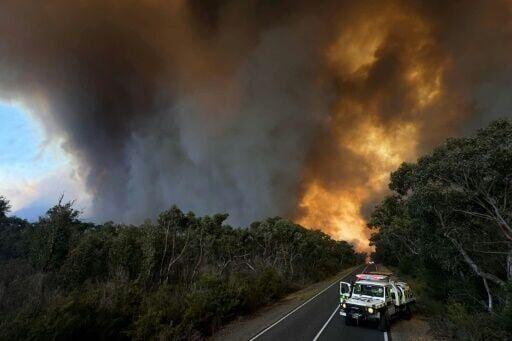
(381, 147)
(338, 211)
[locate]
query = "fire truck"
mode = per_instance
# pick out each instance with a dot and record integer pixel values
(375, 297)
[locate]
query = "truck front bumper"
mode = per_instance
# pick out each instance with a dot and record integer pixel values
(359, 313)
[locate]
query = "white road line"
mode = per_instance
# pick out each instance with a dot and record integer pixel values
(326, 323)
(294, 310)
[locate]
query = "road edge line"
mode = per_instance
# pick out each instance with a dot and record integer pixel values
(326, 323)
(301, 305)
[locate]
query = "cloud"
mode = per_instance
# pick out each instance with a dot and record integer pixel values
(31, 199)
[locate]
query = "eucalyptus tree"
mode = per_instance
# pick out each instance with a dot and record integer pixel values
(453, 206)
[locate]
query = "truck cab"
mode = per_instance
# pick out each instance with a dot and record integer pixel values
(374, 297)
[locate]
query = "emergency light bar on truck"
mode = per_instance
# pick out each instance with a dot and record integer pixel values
(370, 277)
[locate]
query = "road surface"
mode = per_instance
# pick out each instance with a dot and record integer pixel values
(318, 319)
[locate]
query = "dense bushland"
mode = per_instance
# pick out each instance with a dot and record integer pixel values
(180, 277)
(448, 224)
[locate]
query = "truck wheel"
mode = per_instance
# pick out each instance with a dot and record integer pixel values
(407, 312)
(348, 321)
(384, 322)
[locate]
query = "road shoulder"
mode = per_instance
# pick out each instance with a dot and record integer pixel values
(246, 327)
(415, 329)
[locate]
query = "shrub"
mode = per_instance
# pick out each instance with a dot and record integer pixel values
(181, 278)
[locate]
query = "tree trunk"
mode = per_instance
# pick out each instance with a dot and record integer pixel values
(165, 251)
(476, 269)
(489, 296)
(509, 265)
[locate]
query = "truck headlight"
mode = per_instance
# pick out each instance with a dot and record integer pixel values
(370, 310)
(344, 305)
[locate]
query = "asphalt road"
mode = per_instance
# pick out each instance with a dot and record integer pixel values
(318, 319)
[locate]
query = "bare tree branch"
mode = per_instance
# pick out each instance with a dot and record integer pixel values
(465, 255)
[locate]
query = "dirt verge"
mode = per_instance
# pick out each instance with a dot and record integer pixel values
(415, 329)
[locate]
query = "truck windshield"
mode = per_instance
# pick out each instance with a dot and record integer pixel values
(368, 290)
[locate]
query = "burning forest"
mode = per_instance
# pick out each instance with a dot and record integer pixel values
(297, 109)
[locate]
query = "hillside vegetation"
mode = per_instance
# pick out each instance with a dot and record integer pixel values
(180, 277)
(448, 224)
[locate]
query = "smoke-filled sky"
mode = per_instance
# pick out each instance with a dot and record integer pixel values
(257, 108)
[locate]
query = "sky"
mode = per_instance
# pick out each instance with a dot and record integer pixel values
(34, 171)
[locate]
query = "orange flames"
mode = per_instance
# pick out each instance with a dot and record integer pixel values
(379, 145)
(338, 211)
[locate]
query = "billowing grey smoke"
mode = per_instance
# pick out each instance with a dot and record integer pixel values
(162, 103)
(238, 146)
(237, 105)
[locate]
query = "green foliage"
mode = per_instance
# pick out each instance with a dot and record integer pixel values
(463, 324)
(448, 222)
(13, 239)
(87, 260)
(5, 207)
(125, 252)
(179, 278)
(210, 302)
(104, 312)
(161, 314)
(54, 235)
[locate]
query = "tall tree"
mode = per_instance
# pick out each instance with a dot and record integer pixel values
(453, 206)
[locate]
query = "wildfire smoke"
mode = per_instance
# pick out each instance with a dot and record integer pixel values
(257, 108)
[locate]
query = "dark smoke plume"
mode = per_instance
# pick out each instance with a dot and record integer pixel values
(245, 106)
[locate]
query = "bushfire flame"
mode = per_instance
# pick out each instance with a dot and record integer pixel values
(338, 212)
(380, 146)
